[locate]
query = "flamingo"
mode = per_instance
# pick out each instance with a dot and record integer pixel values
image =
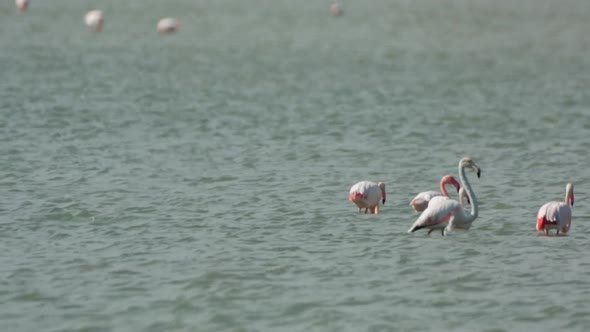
(336, 9)
(367, 194)
(21, 5)
(447, 214)
(420, 202)
(168, 25)
(462, 198)
(94, 19)
(557, 215)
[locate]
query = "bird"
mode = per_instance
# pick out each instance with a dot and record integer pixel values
(336, 9)
(556, 215)
(366, 195)
(168, 25)
(447, 214)
(462, 198)
(21, 5)
(94, 19)
(420, 202)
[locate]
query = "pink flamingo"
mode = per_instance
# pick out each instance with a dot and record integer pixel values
(557, 215)
(22, 5)
(420, 202)
(446, 214)
(367, 195)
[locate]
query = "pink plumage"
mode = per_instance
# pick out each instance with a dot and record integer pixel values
(446, 214)
(420, 201)
(366, 195)
(556, 215)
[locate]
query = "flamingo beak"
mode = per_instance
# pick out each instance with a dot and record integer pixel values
(478, 172)
(383, 200)
(572, 200)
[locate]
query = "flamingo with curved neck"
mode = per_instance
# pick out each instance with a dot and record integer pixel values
(556, 215)
(464, 219)
(447, 214)
(420, 201)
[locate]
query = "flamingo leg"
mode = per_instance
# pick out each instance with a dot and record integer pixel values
(376, 209)
(366, 209)
(442, 232)
(546, 231)
(359, 210)
(430, 231)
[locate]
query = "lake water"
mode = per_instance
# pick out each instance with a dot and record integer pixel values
(199, 181)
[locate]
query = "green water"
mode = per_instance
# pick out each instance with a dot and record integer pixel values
(198, 181)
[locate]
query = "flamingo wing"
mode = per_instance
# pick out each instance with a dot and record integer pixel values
(557, 214)
(366, 191)
(420, 201)
(438, 214)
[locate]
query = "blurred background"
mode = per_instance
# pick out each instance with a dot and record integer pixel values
(198, 180)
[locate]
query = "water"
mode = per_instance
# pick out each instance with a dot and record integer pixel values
(198, 181)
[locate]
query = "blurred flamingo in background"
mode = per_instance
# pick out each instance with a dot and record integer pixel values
(94, 19)
(420, 202)
(556, 215)
(366, 195)
(447, 214)
(168, 25)
(22, 5)
(336, 9)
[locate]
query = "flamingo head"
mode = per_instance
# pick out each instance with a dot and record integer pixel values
(569, 194)
(382, 187)
(467, 162)
(449, 179)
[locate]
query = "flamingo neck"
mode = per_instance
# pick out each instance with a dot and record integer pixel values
(569, 196)
(443, 190)
(465, 184)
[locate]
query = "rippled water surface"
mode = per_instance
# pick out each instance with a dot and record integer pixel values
(198, 181)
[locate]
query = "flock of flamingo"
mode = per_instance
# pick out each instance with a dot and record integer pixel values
(440, 212)
(94, 19)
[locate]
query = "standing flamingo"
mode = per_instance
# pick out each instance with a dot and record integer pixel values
(21, 5)
(447, 214)
(556, 215)
(367, 194)
(420, 202)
